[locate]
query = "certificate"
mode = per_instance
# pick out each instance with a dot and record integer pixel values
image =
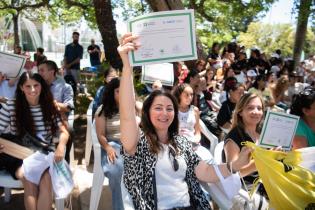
(278, 130)
(11, 64)
(164, 37)
(163, 72)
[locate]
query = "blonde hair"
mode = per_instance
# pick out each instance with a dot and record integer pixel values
(243, 102)
(281, 85)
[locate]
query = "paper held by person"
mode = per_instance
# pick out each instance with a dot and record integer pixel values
(164, 37)
(11, 64)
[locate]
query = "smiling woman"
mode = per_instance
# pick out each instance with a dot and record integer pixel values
(34, 114)
(161, 171)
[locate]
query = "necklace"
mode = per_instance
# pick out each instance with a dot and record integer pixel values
(253, 136)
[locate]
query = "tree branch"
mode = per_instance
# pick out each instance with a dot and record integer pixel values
(23, 6)
(72, 3)
(200, 9)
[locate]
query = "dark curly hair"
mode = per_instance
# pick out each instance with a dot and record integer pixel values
(303, 100)
(148, 127)
(24, 118)
(110, 107)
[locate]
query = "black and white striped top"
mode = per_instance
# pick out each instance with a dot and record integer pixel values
(8, 121)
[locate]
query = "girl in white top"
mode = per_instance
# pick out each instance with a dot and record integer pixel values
(188, 116)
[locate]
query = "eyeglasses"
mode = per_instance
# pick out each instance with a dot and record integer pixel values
(172, 155)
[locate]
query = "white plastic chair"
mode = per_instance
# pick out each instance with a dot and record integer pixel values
(7, 182)
(210, 136)
(88, 141)
(98, 174)
(218, 152)
(71, 122)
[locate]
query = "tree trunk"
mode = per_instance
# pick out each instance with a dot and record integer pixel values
(107, 26)
(301, 29)
(15, 20)
(164, 5)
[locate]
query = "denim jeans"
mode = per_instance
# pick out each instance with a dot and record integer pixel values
(114, 173)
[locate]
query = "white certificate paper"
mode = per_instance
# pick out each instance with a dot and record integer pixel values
(164, 37)
(278, 130)
(163, 72)
(11, 64)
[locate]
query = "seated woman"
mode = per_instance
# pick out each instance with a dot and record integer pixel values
(234, 92)
(259, 87)
(33, 112)
(278, 91)
(188, 116)
(107, 129)
(303, 105)
(161, 171)
(247, 117)
(109, 74)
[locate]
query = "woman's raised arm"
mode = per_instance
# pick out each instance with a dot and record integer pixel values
(128, 125)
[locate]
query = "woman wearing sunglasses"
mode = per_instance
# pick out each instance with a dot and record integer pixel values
(303, 105)
(160, 169)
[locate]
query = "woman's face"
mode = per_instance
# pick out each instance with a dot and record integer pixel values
(186, 96)
(32, 89)
(116, 96)
(252, 112)
(261, 83)
(161, 113)
(236, 95)
(230, 73)
(210, 75)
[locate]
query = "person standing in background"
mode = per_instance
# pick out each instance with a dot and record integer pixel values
(39, 56)
(95, 53)
(72, 57)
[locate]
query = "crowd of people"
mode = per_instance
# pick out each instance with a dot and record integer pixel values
(155, 147)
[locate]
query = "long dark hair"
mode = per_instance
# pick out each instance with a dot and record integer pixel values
(303, 100)
(24, 118)
(259, 78)
(148, 127)
(110, 107)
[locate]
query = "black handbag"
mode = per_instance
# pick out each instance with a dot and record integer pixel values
(37, 144)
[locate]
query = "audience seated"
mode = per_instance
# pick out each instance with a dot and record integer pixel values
(234, 92)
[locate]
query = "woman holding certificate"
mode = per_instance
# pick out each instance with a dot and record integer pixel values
(303, 105)
(247, 117)
(161, 171)
(35, 120)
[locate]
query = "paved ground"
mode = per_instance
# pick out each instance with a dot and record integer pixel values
(80, 197)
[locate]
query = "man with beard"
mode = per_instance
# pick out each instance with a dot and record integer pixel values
(72, 57)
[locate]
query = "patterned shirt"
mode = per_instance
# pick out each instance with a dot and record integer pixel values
(139, 171)
(8, 120)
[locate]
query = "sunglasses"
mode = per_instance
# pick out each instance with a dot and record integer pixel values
(307, 91)
(172, 155)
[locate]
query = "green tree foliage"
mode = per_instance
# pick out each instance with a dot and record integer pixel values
(223, 20)
(269, 37)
